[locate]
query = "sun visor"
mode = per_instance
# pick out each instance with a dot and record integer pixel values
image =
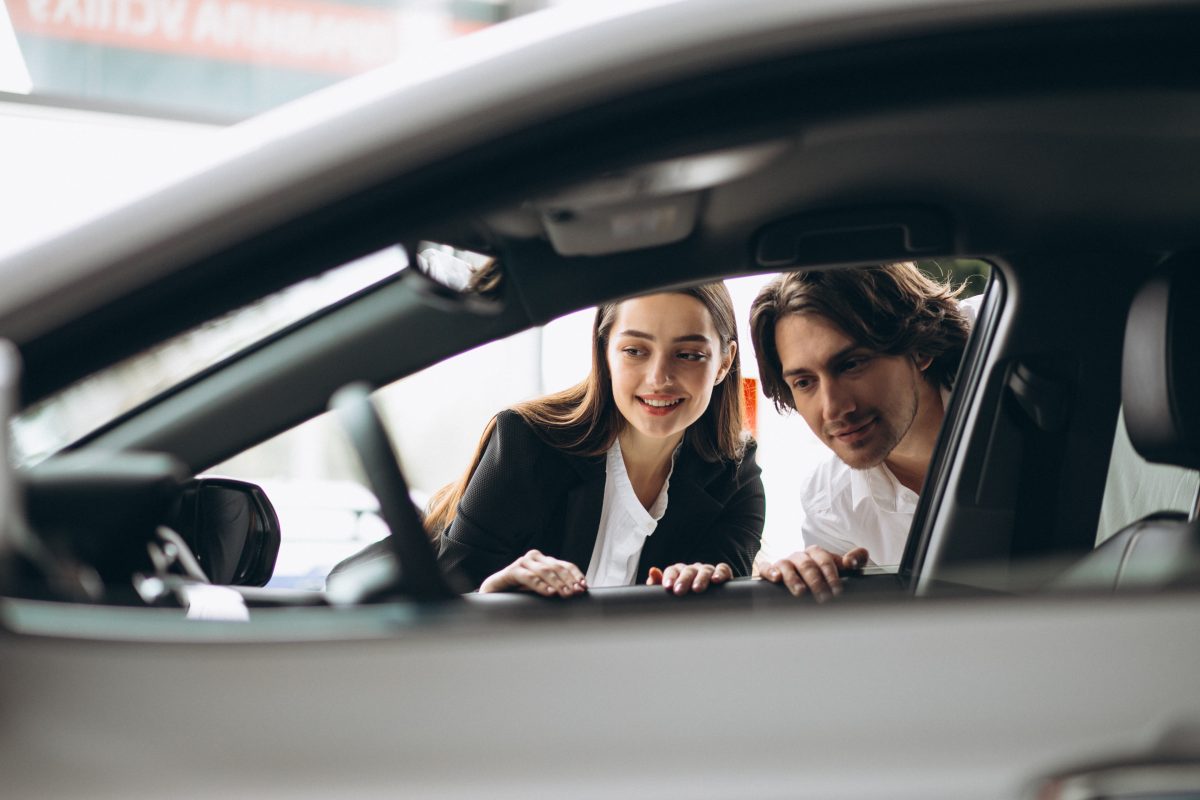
(643, 206)
(630, 226)
(868, 234)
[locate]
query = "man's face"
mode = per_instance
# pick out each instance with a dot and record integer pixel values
(859, 402)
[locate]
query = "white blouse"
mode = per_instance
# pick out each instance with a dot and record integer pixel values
(624, 524)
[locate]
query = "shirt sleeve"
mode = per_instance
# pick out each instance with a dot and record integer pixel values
(815, 532)
(970, 309)
(817, 528)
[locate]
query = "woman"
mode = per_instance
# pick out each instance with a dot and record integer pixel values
(641, 473)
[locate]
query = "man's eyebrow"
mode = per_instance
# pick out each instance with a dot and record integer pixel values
(840, 355)
(690, 337)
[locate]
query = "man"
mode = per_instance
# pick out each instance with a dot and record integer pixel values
(867, 357)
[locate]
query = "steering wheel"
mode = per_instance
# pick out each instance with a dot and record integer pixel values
(412, 570)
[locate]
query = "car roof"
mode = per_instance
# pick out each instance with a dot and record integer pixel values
(866, 103)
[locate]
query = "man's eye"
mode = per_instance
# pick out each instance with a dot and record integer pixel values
(854, 363)
(800, 384)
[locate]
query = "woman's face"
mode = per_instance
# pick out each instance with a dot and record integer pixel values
(665, 358)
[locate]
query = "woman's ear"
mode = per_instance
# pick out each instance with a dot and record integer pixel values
(726, 363)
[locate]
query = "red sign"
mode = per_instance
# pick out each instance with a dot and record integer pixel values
(750, 404)
(325, 37)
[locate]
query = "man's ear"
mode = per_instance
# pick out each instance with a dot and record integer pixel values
(922, 361)
(726, 363)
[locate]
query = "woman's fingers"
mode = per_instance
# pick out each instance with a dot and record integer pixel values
(669, 575)
(528, 579)
(547, 575)
(576, 574)
(680, 579)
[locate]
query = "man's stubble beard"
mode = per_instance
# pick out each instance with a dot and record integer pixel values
(864, 459)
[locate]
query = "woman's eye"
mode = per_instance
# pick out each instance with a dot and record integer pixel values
(694, 356)
(632, 351)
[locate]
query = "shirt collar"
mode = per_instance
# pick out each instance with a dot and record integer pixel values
(880, 486)
(620, 476)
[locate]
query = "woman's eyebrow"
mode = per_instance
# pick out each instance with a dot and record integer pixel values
(690, 337)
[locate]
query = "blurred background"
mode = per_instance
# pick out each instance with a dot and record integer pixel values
(101, 100)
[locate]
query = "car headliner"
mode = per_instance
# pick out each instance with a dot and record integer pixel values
(1020, 147)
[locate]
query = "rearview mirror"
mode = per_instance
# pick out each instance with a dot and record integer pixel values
(461, 271)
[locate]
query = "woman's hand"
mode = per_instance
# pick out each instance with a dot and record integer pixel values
(815, 570)
(684, 578)
(536, 572)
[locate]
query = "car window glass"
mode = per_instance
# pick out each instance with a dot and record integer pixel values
(435, 418)
(1135, 487)
(45, 427)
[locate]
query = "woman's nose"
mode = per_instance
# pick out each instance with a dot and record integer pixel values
(661, 370)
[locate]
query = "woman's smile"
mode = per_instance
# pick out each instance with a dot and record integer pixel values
(659, 405)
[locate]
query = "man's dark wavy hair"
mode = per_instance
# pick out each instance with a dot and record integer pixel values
(894, 309)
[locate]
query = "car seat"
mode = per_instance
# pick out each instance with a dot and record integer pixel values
(1160, 392)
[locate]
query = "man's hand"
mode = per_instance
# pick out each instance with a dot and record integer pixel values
(684, 578)
(815, 570)
(535, 572)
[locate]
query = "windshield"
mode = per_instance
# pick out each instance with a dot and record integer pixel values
(47, 426)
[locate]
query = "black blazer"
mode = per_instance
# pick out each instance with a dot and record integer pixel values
(526, 494)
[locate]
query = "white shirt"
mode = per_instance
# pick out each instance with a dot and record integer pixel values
(624, 524)
(846, 508)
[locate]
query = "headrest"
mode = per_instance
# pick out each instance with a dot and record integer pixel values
(1160, 372)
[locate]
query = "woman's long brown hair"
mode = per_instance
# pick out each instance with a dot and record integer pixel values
(584, 420)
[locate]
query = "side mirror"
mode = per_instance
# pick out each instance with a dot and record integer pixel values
(231, 528)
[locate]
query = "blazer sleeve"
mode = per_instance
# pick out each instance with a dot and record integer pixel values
(736, 535)
(502, 507)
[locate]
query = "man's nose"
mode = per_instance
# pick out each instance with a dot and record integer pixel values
(836, 402)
